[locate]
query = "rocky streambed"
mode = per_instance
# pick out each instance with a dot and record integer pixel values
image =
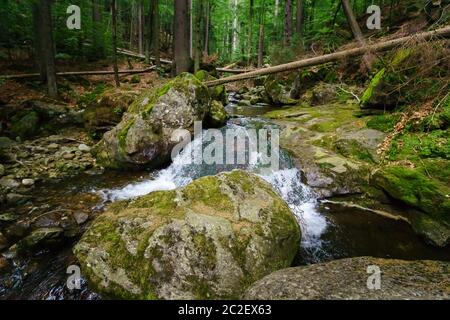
(189, 231)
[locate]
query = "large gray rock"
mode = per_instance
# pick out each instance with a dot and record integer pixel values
(347, 279)
(143, 137)
(210, 239)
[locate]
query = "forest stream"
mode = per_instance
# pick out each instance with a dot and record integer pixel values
(329, 230)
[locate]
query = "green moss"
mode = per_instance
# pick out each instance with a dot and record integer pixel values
(207, 190)
(25, 124)
(122, 135)
(415, 146)
(374, 83)
(416, 190)
(384, 122)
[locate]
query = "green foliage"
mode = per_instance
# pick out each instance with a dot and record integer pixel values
(384, 122)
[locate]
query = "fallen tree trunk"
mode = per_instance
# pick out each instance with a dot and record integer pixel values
(141, 56)
(385, 45)
(138, 55)
(78, 73)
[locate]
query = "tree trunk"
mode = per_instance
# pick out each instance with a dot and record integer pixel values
(250, 34)
(38, 41)
(182, 36)
(155, 32)
(299, 18)
(114, 42)
(198, 37)
(207, 22)
(98, 40)
(47, 46)
(287, 22)
(351, 19)
(261, 46)
(141, 26)
(356, 30)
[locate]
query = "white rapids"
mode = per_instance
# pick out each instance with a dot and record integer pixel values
(286, 181)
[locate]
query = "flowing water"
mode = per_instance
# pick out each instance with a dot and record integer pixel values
(329, 231)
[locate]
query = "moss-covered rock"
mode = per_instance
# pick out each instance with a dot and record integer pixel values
(348, 279)
(144, 136)
(208, 240)
(218, 93)
(25, 124)
(282, 89)
(429, 195)
(107, 109)
(217, 115)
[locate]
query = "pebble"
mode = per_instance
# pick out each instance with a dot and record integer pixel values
(2, 170)
(84, 148)
(53, 146)
(68, 156)
(27, 182)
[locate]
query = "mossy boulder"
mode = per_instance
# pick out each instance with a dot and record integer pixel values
(106, 111)
(217, 115)
(282, 89)
(348, 279)
(25, 124)
(208, 240)
(218, 93)
(144, 136)
(430, 196)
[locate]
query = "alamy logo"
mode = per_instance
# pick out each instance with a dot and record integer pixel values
(74, 280)
(374, 21)
(74, 20)
(374, 280)
(234, 146)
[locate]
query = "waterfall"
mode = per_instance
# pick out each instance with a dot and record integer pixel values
(286, 181)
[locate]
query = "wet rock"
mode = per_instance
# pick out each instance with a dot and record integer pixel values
(53, 146)
(217, 116)
(282, 89)
(27, 182)
(69, 156)
(107, 110)
(16, 198)
(3, 242)
(9, 183)
(244, 103)
(144, 136)
(84, 148)
(80, 217)
(348, 279)
(421, 192)
(360, 145)
(39, 238)
(209, 239)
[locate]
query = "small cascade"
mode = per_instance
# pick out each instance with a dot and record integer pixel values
(286, 180)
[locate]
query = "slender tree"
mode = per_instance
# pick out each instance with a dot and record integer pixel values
(287, 22)
(45, 45)
(356, 30)
(114, 41)
(182, 36)
(299, 18)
